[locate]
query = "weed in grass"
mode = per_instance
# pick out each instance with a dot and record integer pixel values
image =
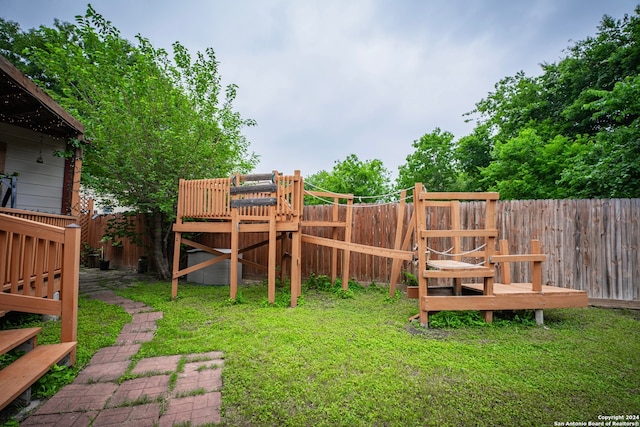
(239, 299)
(189, 393)
(57, 377)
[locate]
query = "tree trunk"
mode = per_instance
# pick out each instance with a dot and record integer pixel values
(159, 246)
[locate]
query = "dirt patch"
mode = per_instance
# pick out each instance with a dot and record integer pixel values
(414, 329)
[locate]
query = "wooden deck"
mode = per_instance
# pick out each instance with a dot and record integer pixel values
(516, 296)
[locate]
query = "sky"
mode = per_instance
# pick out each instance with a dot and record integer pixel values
(328, 78)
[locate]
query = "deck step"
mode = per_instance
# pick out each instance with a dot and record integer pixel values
(16, 378)
(13, 338)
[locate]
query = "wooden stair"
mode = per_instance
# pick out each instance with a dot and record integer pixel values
(17, 378)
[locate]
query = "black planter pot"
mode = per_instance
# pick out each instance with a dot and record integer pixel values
(104, 264)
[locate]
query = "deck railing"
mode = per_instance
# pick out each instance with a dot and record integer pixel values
(211, 199)
(36, 262)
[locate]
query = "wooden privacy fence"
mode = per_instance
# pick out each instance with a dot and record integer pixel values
(592, 245)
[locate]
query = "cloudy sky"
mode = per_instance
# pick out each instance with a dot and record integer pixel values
(329, 78)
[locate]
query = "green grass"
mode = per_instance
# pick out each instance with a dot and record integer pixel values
(356, 360)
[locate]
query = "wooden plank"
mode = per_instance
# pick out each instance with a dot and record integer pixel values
(504, 302)
(426, 195)
(31, 228)
(249, 189)
(518, 258)
(29, 304)
(12, 338)
(16, 378)
(459, 233)
(356, 247)
(463, 274)
(243, 203)
(257, 177)
(452, 265)
(341, 224)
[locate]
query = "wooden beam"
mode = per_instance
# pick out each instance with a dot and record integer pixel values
(518, 258)
(356, 247)
(258, 188)
(29, 304)
(426, 195)
(504, 302)
(444, 274)
(244, 203)
(459, 233)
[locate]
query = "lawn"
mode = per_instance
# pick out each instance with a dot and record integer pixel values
(354, 359)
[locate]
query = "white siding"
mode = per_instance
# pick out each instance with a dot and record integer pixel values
(39, 186)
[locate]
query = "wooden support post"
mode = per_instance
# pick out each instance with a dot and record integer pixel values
(296, 276)
(536, 268)
(272, 255)
(334, 236)
(233, 280)
(176, 264)
(397, 244)
(457, 248)
(285, 257)
(69, 287)
(346, 253)
(422, 252)
(506, 266)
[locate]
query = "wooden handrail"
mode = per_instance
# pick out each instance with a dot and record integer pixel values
(36, 261)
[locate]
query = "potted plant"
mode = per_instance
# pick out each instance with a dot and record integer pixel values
(104, 263)
(91, 255)
(411, 282)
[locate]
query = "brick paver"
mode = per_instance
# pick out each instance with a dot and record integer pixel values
(200, 409)
(141, 390)
(97, 399)
(102, 372)
(71, 419)
(115, 353)
(194, 377)
(160, 364)
(79, 398)
(134, 416)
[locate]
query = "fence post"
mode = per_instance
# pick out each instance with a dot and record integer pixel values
(69, 286)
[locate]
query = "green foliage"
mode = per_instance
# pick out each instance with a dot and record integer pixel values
(432, 163)
(570, 132)
(51, 383)
(320, 283)
(123, 227)
(409, 279)
(367, 180)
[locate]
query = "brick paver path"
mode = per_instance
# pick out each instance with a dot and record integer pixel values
(158, 391)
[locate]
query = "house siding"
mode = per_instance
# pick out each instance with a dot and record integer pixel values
(39, 186)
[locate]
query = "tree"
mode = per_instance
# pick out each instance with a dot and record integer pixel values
(572, 131)
(367, 180)
(152, 119)
(432, 163)
(473, 153)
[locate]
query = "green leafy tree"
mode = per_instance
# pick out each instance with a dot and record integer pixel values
(368, 181)
(473, 153)
(570, 132)
(152, 119)
(432, 163)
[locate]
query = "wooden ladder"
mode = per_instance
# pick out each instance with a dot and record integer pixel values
(17, 378)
